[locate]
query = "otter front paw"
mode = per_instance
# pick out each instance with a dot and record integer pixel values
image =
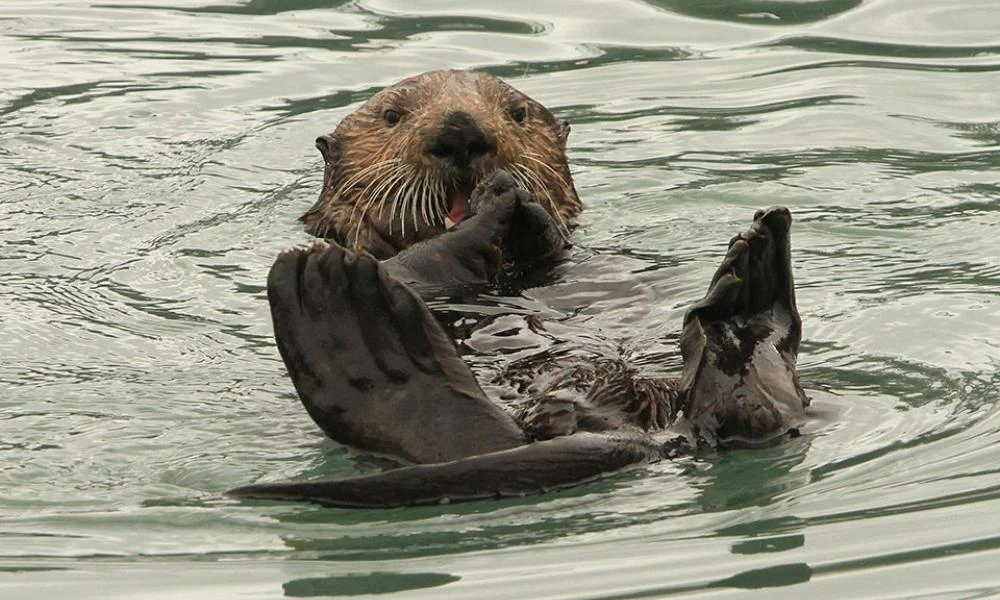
(471, 253)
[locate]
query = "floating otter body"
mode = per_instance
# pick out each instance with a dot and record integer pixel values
(376, 371)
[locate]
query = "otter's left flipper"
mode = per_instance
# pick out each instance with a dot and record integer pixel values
(531, 469)
(740, 342)
(372, 366)
(534, 239)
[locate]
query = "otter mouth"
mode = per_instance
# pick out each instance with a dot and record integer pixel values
(458, 203)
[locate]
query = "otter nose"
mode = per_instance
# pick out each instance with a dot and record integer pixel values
(461, 140)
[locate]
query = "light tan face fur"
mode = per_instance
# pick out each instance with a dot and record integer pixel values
(386, 188)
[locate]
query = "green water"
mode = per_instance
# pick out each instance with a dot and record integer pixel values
(154, 158)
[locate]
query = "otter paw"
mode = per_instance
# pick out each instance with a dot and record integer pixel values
(496, 193)
(530, 236)
(469, 254)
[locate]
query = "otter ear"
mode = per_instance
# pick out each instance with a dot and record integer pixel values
(330, 147)
(563, 132)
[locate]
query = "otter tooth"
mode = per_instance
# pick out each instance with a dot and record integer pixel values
(448, 223)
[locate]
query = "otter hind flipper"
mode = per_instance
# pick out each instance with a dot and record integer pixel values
(372, 366)
(526, 470)
(740, 343)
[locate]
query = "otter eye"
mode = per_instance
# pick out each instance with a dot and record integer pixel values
(391, 117)
(518, 114)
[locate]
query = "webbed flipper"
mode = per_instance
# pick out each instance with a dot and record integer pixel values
(740, 342)
(372, 366)
(533, 469)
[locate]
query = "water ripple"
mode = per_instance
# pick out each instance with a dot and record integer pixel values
(152, 170)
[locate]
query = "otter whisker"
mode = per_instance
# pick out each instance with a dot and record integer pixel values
(404, 202)
(359, 201)
(376, 194)
(532, 182)
(537, 182)
(441, 204)
(519, 177)
(537, 159)
(526, 180)
(383, 187)
(425, 198)
(385, 203)
(392, 163)
(541, 191)
(381, 194)
(380, 188)
(411, 201)
(437, 198)
(396, 204)
(430, 199)
(365, 172)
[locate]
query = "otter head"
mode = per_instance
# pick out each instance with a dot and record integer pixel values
(402, 167)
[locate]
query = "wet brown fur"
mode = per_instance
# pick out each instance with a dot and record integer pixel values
(589, 394)
(383, 191)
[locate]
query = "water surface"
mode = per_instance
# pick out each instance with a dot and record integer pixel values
(154, 157)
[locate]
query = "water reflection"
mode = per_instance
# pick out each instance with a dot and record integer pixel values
(379, 582)
(760, 12)
(155, 158)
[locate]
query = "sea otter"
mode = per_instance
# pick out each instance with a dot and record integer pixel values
(375, 369)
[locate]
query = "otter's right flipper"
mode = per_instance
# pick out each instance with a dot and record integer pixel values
(372, 366)
(531, 469)
(509, 233)
(740, 342)
(469, 255)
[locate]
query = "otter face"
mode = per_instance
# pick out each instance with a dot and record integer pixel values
(402, 167)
